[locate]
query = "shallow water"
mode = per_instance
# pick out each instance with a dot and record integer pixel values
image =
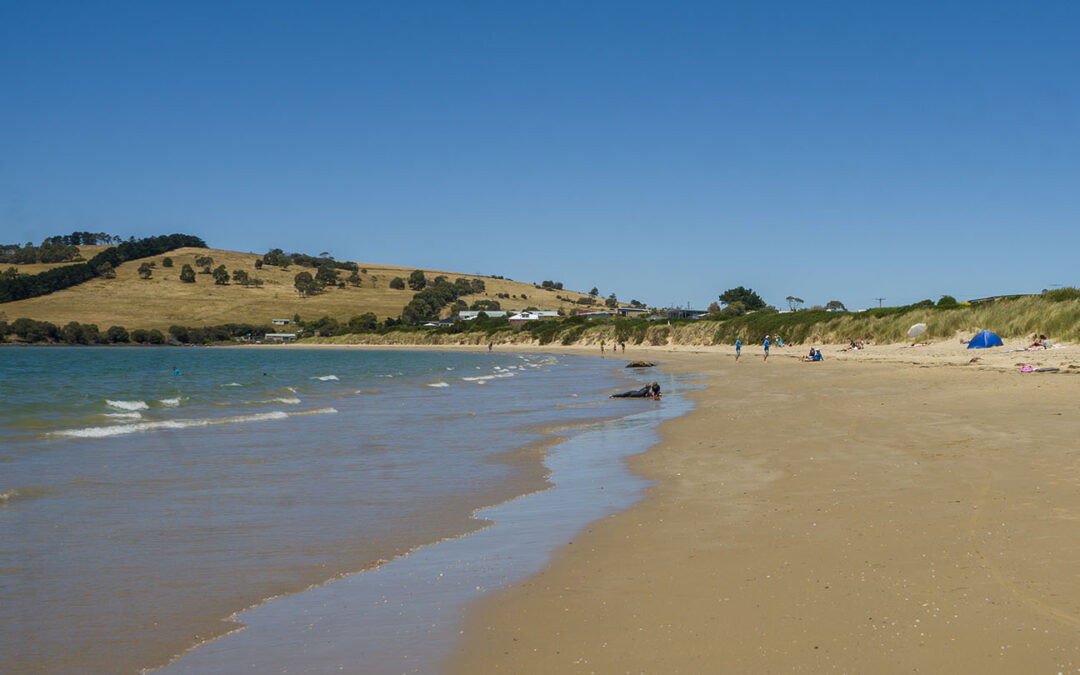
(139, 508)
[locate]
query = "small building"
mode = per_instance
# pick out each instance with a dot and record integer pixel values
(470, 314)
(280, 337)
(596, 313)
(633, 311)
(525, 317)
(281, 322)
(677, 313)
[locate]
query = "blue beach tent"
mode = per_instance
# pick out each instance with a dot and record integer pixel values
(983, 340)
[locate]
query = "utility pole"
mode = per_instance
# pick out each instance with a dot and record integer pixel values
(879, 300)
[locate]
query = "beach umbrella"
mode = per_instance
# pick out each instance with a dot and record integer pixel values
(916, 330)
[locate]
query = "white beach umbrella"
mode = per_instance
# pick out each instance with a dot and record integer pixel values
(916, 330)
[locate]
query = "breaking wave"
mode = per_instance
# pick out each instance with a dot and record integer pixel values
(438, 384)
(127, 405)
(123, 429)
(325, 378)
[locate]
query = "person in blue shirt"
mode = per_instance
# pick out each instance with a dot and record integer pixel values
(818, 356)
(738, 348)
(766, 347)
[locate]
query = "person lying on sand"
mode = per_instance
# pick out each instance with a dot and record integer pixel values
(648, 391)
(916, 344)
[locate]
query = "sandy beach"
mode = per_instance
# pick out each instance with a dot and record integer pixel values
(893, 510)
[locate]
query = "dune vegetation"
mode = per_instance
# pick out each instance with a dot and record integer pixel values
(1055, 314)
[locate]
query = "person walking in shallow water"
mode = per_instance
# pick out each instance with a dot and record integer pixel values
(766, 348)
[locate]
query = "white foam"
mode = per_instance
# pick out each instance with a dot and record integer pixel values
(438, 384)
(232, 384)
(288, 400)
(128, 405)
(316, 411)
(479, 378)
(123, 429)
(325, 378)
(170, 402)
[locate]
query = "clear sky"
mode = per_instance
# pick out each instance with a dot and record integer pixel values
(661, 151)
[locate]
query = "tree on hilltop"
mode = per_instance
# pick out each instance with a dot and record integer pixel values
(835, 306)
(187, 274)
(397, 283)
(417, 281)
(793, 302)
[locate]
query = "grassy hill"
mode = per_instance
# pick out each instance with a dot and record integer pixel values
(164, 300)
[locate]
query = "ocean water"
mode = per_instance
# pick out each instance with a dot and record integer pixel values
(140, 510)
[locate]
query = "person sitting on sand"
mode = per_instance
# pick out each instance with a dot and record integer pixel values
(810, 356)
(1039, 342)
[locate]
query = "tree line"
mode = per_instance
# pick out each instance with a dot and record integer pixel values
(279, 258)
(75, 333)
(56, 249)
(22, 286)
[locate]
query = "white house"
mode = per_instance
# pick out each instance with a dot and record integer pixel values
(280, 322)
(469, 315)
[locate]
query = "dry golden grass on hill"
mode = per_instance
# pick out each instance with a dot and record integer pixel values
(164, 300)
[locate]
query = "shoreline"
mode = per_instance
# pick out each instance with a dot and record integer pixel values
(863, 517)
(262, 628)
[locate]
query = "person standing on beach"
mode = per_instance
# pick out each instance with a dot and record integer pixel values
(601, 346)
(738, 348)
(623, 345)
(490, 344)
(766, 347)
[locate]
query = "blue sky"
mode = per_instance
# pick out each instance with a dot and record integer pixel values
(661, 151)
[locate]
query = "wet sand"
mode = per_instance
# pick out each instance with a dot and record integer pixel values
(886, 511)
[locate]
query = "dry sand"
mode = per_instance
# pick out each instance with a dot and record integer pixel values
(861, 515)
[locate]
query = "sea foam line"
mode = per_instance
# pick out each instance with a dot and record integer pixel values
(325, 378)
(123, 429)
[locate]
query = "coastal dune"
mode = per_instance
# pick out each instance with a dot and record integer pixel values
(838, 517)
